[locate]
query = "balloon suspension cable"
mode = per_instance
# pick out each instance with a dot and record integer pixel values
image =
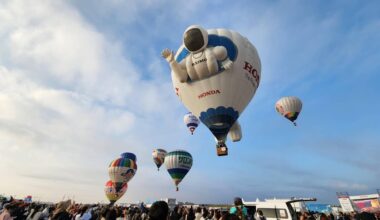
(295, 124)
(177, 188)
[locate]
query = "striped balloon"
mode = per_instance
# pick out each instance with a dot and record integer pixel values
(159, 157)
(112, 194)
(191, 122)
(178, 163)
(121, 171)
(289, 107)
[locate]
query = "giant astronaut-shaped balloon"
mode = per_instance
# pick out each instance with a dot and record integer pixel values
(215, 74)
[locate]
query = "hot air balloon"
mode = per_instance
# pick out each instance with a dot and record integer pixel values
(121, 171)
(215, 74)
(159, 157)
(112, 194)
(235, 132)
(289, 107)
(129, 155)
(191, 122)
(178, 163)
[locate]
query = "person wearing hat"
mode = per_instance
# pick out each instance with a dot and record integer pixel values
(5, 215)
(238, 209)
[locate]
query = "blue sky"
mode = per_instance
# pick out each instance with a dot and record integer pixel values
(82, 82)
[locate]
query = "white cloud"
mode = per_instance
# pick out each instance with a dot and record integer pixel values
(70, 103)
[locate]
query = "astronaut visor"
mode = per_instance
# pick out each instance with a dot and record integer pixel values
(193, 39)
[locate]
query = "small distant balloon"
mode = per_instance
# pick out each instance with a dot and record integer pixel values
(289, 107)
(159, 157)
(191, 122)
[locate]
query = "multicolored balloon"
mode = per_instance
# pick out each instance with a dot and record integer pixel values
(112, 194)
(178, 163)
(121, 171)
(191, 122)
(159, 157)
(215, 74)
(289, 107)
(129, 155)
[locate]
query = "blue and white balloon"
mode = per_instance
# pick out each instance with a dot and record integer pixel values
(191, 122)
(215, 74)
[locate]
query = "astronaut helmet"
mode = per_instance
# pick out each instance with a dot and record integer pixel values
(195, 38)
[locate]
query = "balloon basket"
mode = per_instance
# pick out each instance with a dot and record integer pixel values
(222, 151)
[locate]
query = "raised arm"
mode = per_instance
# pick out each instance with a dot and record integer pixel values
(180, 72)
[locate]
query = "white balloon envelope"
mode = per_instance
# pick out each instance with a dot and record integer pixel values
(222, 77)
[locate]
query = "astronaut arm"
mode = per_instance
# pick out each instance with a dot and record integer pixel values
(220, 52)
(221, 55)
(179, 69)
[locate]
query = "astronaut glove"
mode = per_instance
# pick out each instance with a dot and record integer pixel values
(227, 64)
(168, 55)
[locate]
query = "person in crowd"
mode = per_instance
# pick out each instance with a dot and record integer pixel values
(204, 214)
(159, 211)
(331, 216)
(45, 213)
(5, 214)
(198, 213)
(38, 212)
(238, 209)
(30, 211)
(346, 216)
(229, 216)
(84, 213)
(260, 215)
(174, 215)
(119, 214)
(367, 216)
(111, 214)
(190, 215)
(183, 212)
(323, 216)
(60, 212)
(210, 214)
(339, 216)
(103, 213)
(217, 214)
(144, 215)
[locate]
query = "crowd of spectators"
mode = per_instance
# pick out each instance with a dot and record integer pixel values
(13, 209)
